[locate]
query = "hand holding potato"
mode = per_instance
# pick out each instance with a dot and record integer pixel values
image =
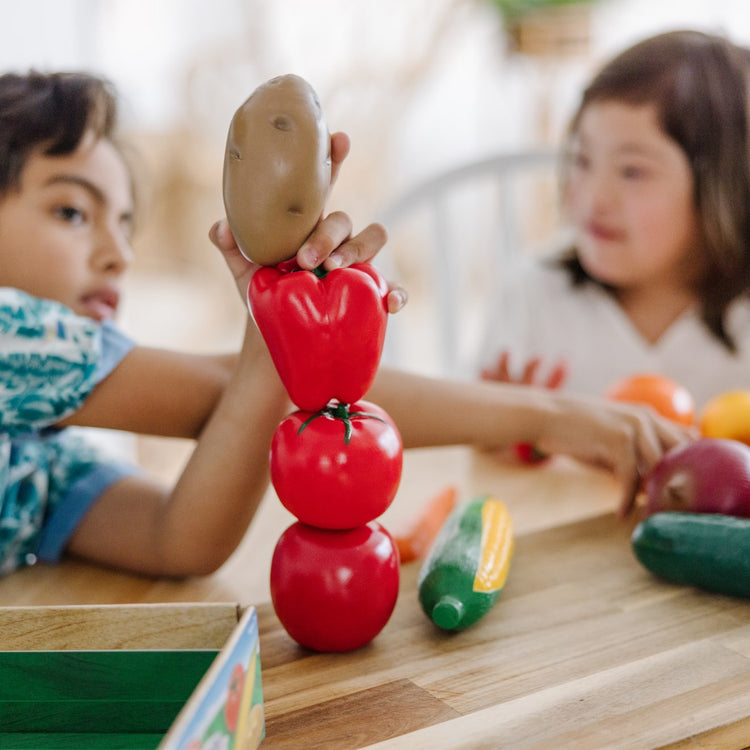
(279, 165)
(331, 241)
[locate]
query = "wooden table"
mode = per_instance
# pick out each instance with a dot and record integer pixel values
(585, 649)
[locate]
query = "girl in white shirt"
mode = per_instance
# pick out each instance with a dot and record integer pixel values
(657, 190)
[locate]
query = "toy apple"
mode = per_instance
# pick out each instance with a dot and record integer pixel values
(334, 590)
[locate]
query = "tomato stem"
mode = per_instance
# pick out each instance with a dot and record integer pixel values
(339, 410)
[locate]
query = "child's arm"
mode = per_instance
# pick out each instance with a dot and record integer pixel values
(233, 405)
(148, 391)
(192, 528)
(157, 392)
(626, 439)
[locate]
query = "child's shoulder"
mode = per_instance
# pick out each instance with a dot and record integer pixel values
(37, 320)
(22, 304)
(12, 300)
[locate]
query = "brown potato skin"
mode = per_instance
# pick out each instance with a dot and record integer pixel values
(277, 169)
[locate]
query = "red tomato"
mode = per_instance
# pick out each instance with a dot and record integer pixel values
(332, 482)
(234, 695)
(526, 453)
(334, 590)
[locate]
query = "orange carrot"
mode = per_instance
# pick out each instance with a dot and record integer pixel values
(415, 541)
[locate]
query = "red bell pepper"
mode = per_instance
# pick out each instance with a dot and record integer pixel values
(324, 330)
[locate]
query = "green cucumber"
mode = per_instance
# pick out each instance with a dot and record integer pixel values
(467, 565)
(707, 550)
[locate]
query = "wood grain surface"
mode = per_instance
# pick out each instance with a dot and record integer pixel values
(585, 649)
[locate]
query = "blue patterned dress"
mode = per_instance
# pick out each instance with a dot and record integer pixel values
(50, 360)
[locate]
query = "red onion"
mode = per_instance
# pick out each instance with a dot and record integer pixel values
(709, 475)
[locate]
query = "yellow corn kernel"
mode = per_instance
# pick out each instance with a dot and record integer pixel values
(496, 547)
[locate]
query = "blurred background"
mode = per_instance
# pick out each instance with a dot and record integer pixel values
(421, 86)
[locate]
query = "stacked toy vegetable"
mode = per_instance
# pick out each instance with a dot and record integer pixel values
(336, 462)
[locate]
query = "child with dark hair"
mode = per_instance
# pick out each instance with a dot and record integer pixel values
(656, 186)
(66, 214)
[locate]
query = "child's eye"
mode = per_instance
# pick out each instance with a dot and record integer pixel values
(70, 214)
(632, 172)
(578, 160)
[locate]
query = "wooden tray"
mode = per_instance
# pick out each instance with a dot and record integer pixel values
(130, 676)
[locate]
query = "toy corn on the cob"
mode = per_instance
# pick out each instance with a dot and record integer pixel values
(467, 566)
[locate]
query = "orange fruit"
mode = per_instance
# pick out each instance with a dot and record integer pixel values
(668, 398)
(727, 416)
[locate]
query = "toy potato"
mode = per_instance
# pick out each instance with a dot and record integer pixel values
(277, 169)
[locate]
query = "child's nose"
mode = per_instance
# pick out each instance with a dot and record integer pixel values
(601, 191)
(114, 252)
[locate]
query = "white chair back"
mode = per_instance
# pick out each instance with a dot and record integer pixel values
(450, 239)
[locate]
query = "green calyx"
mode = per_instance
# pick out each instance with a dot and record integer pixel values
(318, 271)
(341, 411)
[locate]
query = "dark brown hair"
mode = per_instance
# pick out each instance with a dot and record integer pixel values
(50, 111)
(698, 84)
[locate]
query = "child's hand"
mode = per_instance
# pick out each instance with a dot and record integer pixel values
(330, 245)
(340, 145)
(627, 439)
(240, 267)
(501, 372)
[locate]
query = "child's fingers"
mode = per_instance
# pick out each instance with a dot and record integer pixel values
(530, 370)
(221, 236)
(631, 481)
(654, 436)
(340, 145)
(558, 375)
(358, 249)
(501, 370)
(328, 234)
(239, 266)
(503, 367)
(397, 298)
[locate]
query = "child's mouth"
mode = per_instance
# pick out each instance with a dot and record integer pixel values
(602, 233)
(101, 305)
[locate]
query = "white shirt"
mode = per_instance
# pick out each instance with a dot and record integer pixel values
(540, 314)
